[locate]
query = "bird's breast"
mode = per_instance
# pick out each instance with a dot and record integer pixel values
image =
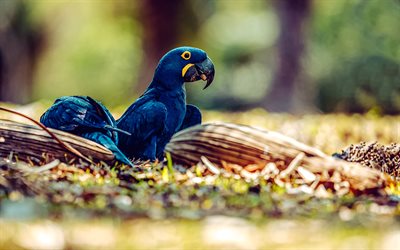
(176, 109)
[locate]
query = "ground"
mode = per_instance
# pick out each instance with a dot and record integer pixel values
(164, 205)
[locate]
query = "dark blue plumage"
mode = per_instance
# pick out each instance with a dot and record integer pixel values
(162, 111)
(84, 116)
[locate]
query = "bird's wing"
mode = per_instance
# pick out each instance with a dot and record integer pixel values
(144, 120)
(96, 115)
(149, 96)
(104, 118)
(64, 114)
(80, 114)
(77, 113)
(101, 111)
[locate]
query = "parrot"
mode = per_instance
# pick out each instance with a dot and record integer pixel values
(88, 118)
(161, 110)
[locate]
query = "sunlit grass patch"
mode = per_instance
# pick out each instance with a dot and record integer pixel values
(199, 205)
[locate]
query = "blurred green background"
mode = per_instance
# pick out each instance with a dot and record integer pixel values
(296, 56)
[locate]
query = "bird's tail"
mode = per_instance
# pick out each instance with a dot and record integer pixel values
(109, 144)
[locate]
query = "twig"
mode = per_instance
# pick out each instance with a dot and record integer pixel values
(210, 166)
(292, 166)
(21, 166)
(63, 144)
(46, 167)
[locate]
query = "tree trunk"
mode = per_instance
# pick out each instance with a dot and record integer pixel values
(292, 15)
(159, 20)
(19, 48)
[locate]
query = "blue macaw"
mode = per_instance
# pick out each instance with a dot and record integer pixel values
(162, 111)
(88, 118)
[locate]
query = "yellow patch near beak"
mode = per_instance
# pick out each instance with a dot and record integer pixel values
(185, 69)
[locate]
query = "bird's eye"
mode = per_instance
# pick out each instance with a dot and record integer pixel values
(186, 55)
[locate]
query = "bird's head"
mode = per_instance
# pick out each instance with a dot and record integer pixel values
(184, 64)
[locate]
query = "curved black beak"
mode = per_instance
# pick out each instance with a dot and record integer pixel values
(204, 71)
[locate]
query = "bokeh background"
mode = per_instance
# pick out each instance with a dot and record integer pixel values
(299, 56)
(303, 57)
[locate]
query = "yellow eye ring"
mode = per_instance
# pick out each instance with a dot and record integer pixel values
(186, 55)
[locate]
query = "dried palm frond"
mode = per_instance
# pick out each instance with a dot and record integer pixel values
(222, 148)
(33, 144)
(225, 144)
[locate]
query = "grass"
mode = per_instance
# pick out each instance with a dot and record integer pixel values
(164, 205)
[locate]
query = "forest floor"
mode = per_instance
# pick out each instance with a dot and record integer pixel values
(162, 205)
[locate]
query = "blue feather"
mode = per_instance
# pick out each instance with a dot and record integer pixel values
(162, 111)
(86, 117)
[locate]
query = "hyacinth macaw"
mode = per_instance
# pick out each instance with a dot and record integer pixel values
(162, 111)
(88, 118)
